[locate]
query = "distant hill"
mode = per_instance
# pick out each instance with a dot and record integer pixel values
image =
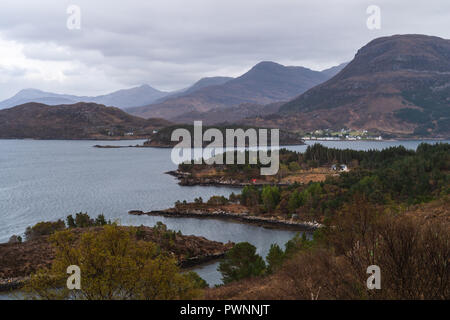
(127, 98)
(229, 115)
(265, 83)
(77, 121)
(122, 99)
(398, 85)
(207, 82)
(331, 72)
(34, 95)
(200, 84)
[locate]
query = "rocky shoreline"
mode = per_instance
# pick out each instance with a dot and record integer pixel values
(271, 222)
(12, 284)
(186, 179)
(131, 146)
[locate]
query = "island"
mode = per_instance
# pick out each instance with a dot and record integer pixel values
(294, 168)
(162, 138)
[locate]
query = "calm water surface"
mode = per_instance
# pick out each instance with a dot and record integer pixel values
(48, 180)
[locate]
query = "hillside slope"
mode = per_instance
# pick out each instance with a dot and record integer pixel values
(398, 84)
(77, 121)
(200, 84)
(265, 83)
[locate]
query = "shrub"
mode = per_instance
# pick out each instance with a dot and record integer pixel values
(140, 233)
(82, 220)
(217, 200)
(101, 221)
(274, 258)
(198, 200)
(234, 198)
(250, 196)
(270, 196)
(296, 199)
(43, 228)
(114, 265)
(199, 282)
(298, 243)
(15, 239)
(241, 262)
(167, 235)
(294, 166)
(71, 222)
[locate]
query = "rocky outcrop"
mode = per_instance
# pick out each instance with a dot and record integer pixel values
(186, 179)
(241, 217)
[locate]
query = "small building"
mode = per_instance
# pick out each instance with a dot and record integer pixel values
(339, 167)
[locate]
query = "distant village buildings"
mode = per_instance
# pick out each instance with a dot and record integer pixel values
(343, 134)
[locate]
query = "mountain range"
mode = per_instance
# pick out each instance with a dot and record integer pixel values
(265, 83)
(397, 85)
(122, 98)
(125, 98)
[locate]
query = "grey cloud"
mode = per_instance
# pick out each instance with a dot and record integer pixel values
(169, 44)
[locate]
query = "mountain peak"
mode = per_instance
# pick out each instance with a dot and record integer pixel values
(267, 65)
(401, 52)
(29, 92)
(396, 84)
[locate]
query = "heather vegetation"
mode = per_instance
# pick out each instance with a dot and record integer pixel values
(43, 228)
(333, 264)
(435, 115)
(114, 265)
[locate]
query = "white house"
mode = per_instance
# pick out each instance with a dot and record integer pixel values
(339, 167)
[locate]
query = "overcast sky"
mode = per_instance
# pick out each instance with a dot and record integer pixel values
(169, 44)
